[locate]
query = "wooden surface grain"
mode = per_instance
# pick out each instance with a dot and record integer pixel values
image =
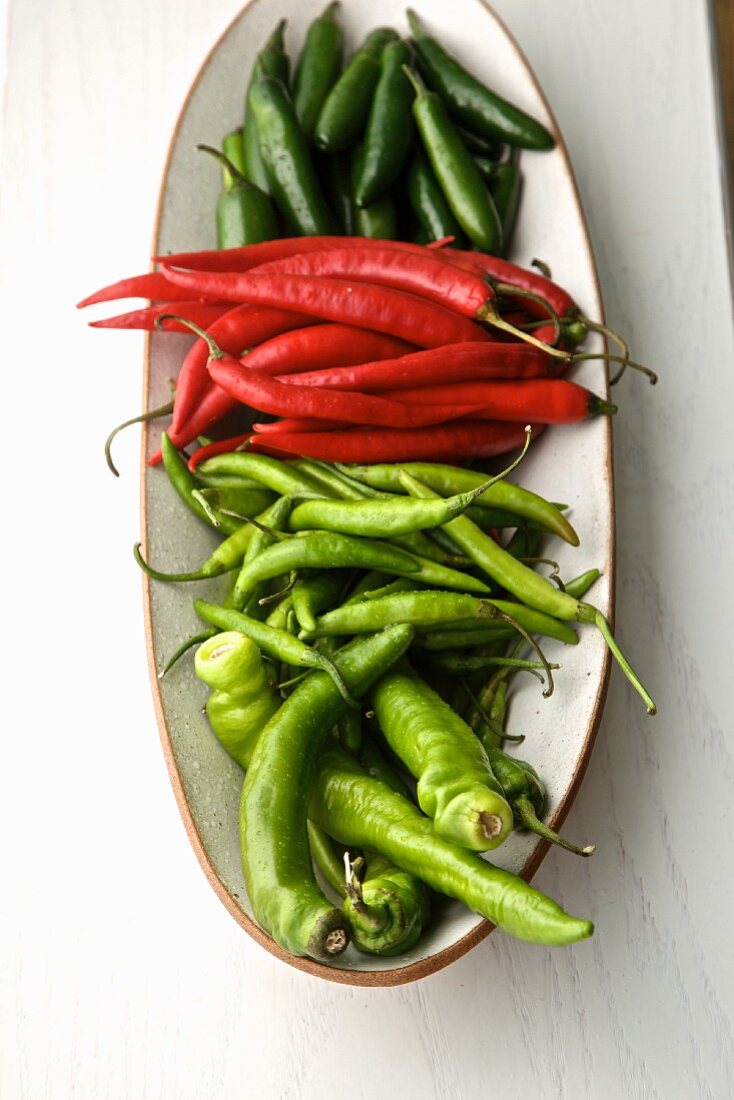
(120, 973)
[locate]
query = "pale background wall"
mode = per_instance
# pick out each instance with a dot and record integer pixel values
(121, 975)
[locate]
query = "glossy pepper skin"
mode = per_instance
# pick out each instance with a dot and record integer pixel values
(429, 204)
(456, 785)
(363, 812)
(378, 219)
(318, 68)
(241, 700)
(244, 214)
(453, 165)
(471, 102)
(271, 61)
(287, 158)
(274, 806)
(344, 113)
(389, 133)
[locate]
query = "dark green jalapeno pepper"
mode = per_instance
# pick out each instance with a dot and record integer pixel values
(362, 812)
(429, 204)
(481, 146)
(318, 68)
(271, 61)
(233, 147)
(345, 110)
(280, 882)
(287, 158)
(389, 133)
(505, 185)
(456, 785)
(454, 168)
(379, 219)
(244, 213)
(336, 173)
(471, 102)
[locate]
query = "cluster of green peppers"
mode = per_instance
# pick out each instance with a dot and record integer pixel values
(402, 142)
(393, 807)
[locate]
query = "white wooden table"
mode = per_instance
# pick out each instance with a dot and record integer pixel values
(121, 975)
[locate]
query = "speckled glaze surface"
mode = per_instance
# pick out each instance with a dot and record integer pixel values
(569, 464)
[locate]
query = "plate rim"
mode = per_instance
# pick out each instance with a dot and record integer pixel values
(444, 957)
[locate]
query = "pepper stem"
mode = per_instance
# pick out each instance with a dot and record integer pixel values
(184, 648)
(489, 314)
(493, 727)
(531, 642)
(354, 873)
(233, 170)
(197, 575)
(215, 352)
(591, 614)
(617, 359)
(525, 810)
(143, 418)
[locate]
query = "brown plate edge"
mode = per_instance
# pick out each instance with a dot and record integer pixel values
(425, 967)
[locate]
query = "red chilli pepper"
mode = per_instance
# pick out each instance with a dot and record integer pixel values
(221, 447)
(530, 281)
(457, 363)
(544, 400)
(260, 391)
(383, 309)
(459, 440)
(252, 255)
(426, 274)
(154, 285)
(298, 424)
(325, 346)
(202, 313)
(235, 331)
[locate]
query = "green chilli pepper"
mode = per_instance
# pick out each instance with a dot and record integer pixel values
(279, 476)
(449, 480)
(479, 145)
(276, 643)
(454, 168)
(387, 908)
(429, 204)
(525, 793)
(344, 113)
(378, 220)
(274, 519)
(471, 102)
(580, 585)
(244, 213)
(456, 786)
(185, 484)
(241, 700)
(287, 158)
(362, 812)
(318, 68)
(389, 133)
(382, 517)
(271, 61)
(280, 882)
(315, 594)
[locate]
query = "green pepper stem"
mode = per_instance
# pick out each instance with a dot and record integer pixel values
(197, 575)
(195, 639)
(143, 418)
(202, 495)
(418, 86)
(535, 645)
(489, 722)
(233, 170)
(591, 614)
(353, 889)
(328, 666)
(542, 267)
(525, 810)
(621, 343)
(275, 596)
(617, 359)
(490, 314)
(215, 352)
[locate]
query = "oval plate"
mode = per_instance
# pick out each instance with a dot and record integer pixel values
(568, 464)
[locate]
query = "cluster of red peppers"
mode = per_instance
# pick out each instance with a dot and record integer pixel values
(367, 350)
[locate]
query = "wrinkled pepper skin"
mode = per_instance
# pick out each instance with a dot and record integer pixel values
(241, 700)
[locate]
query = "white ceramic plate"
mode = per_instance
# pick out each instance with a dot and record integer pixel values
(568, 464)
